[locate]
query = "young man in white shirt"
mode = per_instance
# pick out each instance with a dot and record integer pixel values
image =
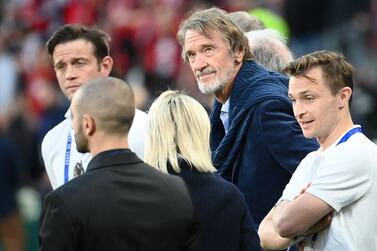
(79, 54)
(327, 205)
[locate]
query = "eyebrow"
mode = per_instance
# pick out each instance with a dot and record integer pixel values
(73, 60)
(302, 93)
(203, 46)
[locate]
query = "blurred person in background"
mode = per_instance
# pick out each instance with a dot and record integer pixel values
(269, 49)
(12, 235)
(268, 46)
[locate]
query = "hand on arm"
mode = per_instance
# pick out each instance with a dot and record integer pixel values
(269, 238)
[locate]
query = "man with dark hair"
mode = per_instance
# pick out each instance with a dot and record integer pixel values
(119, 203)
(337, 183)
(79, 54)
(256, 142)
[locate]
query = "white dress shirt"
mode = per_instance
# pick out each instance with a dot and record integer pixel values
(224, 115)
(59, 162)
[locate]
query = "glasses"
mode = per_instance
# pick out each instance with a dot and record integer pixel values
(78, 170)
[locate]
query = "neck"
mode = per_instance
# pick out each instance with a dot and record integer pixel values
(107, 142)
(223, 95)
(338, 131)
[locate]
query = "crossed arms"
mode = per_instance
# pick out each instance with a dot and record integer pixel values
(304, 215)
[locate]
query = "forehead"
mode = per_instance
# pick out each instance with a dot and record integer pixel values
(312, 81)
(195, 39)
(73, 49)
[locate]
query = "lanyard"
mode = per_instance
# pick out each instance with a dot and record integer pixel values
(67, 157)
(349, 134)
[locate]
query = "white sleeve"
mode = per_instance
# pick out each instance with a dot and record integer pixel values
(300, 178)
(343, 177)
(137, 134)
(47, 145)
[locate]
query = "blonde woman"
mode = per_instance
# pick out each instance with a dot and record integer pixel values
(178, 143)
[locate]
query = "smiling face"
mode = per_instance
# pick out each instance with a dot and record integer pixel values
(75, 63)
(211, 60)
(315, 108)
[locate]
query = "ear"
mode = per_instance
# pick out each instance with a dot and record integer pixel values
(238, 55)
(106, 65)
(344, 97)
(88, 125)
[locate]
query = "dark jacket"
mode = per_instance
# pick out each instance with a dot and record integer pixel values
(264, 144)
(225, 222)
(120, 203)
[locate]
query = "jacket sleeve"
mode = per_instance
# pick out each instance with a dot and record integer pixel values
(282, 134)
(56, 230)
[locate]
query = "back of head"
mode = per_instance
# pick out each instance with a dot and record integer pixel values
(269, 49)
(245, 21)
(71, 32)
(337, 72)
(211, 20)
(178, 127)
(110, 101)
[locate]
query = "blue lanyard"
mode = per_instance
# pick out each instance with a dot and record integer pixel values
(349, 134)
(67, 157)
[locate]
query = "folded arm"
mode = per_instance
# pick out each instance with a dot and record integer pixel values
(269, 238)
(300, 215)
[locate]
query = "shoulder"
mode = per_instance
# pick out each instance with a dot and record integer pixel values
(275, 113)
(222, 186)
(275, 106)
(140, 117)
(61, 129)
(54, 138)
(358, 153)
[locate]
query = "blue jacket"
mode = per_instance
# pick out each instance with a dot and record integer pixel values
(264, 143)
(225, 221)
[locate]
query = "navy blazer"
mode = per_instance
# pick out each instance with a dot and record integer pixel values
(225, 221)
(119, 204)
(264, 144)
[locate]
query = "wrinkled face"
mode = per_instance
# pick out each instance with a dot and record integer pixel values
(75, 63)
(315, 108)
(80, 138)
(211, 60)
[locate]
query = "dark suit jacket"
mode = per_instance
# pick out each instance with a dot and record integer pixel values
(120, 203)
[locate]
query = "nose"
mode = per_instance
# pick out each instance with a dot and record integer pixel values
(199, 62)
(298, 109)
(70, 73)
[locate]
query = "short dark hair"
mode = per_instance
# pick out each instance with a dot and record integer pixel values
(337, 71)
(71, 32)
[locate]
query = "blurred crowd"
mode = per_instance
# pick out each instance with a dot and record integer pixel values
(147, 55)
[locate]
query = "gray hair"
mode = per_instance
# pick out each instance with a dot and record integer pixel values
(245, 21)
(270, 49)
(214, 19)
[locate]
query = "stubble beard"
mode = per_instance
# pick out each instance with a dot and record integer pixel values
(219, 83)
(81, 142)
